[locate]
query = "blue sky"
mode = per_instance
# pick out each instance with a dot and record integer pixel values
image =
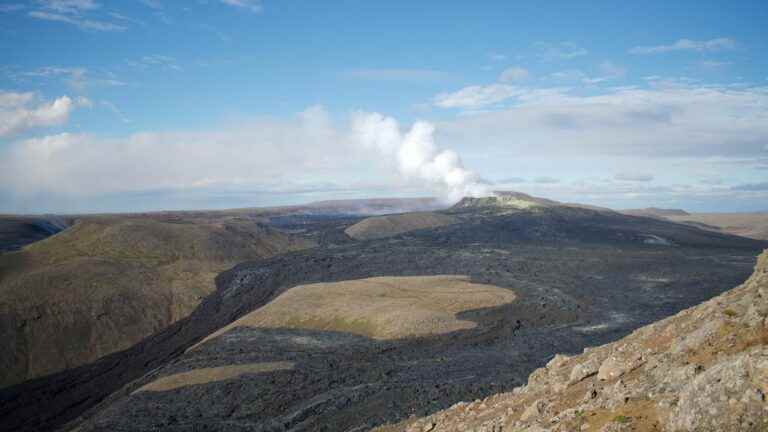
(142, 105)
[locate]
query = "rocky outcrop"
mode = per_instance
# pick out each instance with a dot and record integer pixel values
(704, 369)
(504, 200)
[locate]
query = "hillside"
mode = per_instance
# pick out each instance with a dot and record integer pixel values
(108, 282)
(389, 225)
(656, 212)
(704, 369)
(18, 231)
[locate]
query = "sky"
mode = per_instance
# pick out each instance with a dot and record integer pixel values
(136, 105)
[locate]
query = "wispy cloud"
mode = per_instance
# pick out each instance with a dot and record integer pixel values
(608, 71)
(83, 24)
(156, 60)
(559, 50)
(477, 96)
(395, 74)
(115, 110)
(154, 4)
(250, 5)
(513, 74)
(497, 57)
(712, 45)
(73, 12)
(78, 78)
(713, 64)
(69, 6)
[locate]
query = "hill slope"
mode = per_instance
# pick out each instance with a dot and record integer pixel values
(391, 225)
(704, 369)
(18, 231)
(107, 282)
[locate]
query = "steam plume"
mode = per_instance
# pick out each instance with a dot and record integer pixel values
(416, 156)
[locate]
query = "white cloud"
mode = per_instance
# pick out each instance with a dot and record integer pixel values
(513, 74)
(69, 6)
(477, 96)
(397, 74)
(82, 23)
(559, 50)
(17, 113)
(251, 5)
(712, 45)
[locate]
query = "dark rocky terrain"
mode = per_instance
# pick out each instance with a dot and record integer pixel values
(582, 277)
(704, 369)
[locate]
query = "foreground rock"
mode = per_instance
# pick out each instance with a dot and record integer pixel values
(704, 369)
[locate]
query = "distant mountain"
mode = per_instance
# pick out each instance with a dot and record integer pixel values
(752, 225)
(374, 206)
(655, 212)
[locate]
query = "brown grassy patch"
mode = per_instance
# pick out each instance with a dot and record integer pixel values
(379, 307)
(642, 415)
(212, 374)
